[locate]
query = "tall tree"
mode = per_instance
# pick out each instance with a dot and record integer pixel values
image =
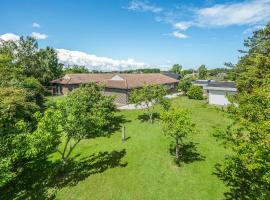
(26, 59)
(178, 125)
(246, 169)
(19, 143)
(75, 69)
(148, 96)
(176, 68)
(184, 85)
(85, 113)
(203, 72)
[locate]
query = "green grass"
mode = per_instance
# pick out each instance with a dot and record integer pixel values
(143, 168)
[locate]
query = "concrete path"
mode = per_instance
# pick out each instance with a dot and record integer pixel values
(143, 106)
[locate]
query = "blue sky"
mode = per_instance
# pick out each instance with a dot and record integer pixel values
(124, 34)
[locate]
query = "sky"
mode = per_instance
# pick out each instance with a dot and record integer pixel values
(129, 34)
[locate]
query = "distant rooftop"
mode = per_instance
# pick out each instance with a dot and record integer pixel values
(226, 86)
(116, 80)
(222, 84)
(172, 75)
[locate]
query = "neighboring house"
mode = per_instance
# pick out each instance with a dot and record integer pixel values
(201, 84)
(172, 75)
(118, 84)
(218, 92)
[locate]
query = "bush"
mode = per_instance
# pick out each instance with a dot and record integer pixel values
(195, 92)
(184, 85)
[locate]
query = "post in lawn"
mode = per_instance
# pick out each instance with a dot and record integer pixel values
(123, 134)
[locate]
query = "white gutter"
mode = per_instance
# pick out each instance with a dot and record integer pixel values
(220, 89)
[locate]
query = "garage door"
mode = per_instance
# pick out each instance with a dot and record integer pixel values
(217, 97)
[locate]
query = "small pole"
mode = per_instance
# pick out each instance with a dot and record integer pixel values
(123, 134)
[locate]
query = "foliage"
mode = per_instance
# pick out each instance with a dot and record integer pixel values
(178, 125)
(85, 113)
(203, 72)
(35, 91)
(232, 72)
(75, 69)
(146, 157)
(18, 141)
(176, 68)
(24, 58)
(144, 70)
(149, 96)
(195, 92)
(184, 85)
(185, 72)
(246, 170)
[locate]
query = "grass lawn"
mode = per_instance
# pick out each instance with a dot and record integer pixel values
(143, 168)
(140, 168)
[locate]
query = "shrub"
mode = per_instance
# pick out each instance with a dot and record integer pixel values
(184, 85)
(195, 92)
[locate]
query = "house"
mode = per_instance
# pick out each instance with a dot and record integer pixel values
(172, 74)
(201, 84)
(218, 92)
(116, 84)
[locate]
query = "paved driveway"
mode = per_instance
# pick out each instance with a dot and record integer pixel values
(142, 106)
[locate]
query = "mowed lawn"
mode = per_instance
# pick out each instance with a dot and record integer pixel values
(143, 168)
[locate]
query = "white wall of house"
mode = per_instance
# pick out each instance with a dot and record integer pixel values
(218, 97)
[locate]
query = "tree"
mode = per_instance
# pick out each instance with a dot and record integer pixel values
(49, 65)
(18, 142)
(85, 113)
(195, 92)
(26, 59)
(202, 72)
(231, 71)
(178, 125)
(246, 169)
(176, 68)
(184, 85)
(75, 69)
(186, 72)
(149, 96)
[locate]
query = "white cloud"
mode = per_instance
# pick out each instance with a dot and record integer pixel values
(9, 37)
(181, 25)
(39, 36)
(245, 13)
(94, 62)
(137, 5)
(35, 25)
(179, 35)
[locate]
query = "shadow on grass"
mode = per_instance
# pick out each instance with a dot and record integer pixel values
(116, 123)
(145, 117)
(188, 153)
(41, 179)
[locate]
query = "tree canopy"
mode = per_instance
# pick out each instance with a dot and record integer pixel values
(203, 72)
(149, 96)
(178, 125)
(24, 58)
(176, 68)
(184, 85)
(18, 143)
(246, 169)
(75, 69)
(84, 113)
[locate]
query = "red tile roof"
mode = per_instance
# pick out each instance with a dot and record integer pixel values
(121, 81)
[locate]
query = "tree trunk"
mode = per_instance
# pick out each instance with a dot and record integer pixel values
(65, 156)
(123, 134)
(151, 117)
(177, 149)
